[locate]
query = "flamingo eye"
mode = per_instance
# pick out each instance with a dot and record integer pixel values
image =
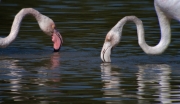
(109, 37)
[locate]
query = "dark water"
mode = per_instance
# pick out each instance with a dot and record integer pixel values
(30, 73)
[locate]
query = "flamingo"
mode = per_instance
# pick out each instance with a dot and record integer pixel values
(165, 10)
(45, 23)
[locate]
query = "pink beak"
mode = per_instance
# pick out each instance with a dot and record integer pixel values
(57, 40)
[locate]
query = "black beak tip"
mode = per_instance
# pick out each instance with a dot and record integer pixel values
(56, 50)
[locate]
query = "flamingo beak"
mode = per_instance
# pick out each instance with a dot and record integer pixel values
(106, 52)
(57, 40)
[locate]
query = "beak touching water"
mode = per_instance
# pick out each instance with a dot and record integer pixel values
(106, 52)
(57, 40)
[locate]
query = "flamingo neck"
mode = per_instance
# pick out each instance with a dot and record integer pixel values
(165, 32)
(4, 42)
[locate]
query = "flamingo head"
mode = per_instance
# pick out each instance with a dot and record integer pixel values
(111, 40)
(48, 26)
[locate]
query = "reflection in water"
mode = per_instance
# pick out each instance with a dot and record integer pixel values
(158, 76)
(111, 82)
(9, 68)
(55, 60)
(54, 73)
(150, 76)
(14, 77)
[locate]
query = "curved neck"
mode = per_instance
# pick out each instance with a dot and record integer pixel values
(16, 25)
(165, 32)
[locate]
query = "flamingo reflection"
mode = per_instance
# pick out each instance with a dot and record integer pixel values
(16, 78)
(158, 75)
(55, 60)
(150, 76)
(111, 82)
